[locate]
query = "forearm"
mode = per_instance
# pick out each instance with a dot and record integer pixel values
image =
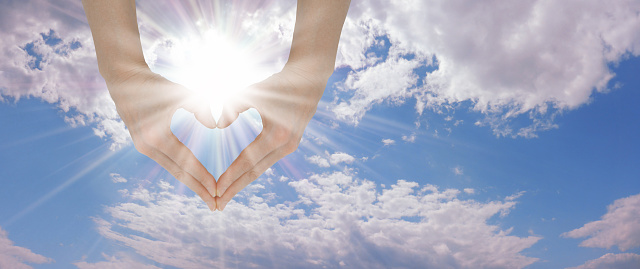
(316, 35)
(115, 33)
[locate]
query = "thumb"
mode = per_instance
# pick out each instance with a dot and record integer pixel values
(201, 109)
(232, 110)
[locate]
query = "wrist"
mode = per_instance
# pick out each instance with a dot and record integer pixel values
(118, 72)
(311, 69)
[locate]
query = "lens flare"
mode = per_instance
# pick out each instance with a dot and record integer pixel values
(215, 66)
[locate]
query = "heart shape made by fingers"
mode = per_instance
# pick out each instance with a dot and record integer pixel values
(216, 148)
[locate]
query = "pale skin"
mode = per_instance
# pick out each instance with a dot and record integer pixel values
(286, 101)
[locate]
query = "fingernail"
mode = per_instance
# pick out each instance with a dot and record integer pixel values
(211, 206)
(218, 193)
(223, 206)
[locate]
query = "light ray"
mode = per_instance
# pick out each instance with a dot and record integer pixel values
(107, 154)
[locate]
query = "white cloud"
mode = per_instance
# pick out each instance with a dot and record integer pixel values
(269, 172)
(410, 139)
(318, 160)
(469, 190)
(389, 81)
(388, 142)
(48, 54)
(612, 261)
(620, 226)
(17, 257)
(331, 159)
(113, 262)
(117, 178)
(341, 157)
(508, 57)
(458, 170)
(337, 220)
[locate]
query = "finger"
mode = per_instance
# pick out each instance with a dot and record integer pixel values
(246, 161)
(201, 109)
(184, 177)
(184, 158)
(232, 108)
(249, 177)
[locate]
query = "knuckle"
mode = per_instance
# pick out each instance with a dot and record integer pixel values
(142, 147)
(245, 164)
(150, 138)
(281, 136)
(180, 175)
(253, 175)
(291, 146)
(202, 193)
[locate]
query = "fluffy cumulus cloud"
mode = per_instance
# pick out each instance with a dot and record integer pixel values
(318, 160)
(620, 226)
(612, 261)
(388, 142)
(331, 159)
(341, 157)
(12, 256)
(508, 58)
(336, 220)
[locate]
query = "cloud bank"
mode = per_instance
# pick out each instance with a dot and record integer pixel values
(337, 220)
(507, 59)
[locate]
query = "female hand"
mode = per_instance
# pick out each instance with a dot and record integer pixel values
(286, 102)
(146, 103)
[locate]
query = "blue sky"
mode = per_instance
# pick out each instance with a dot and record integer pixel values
(421, 154)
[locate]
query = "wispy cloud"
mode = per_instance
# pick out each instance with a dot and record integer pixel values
(612, 261)
(117, 178)
(458, 170)
(620, 226)
(114, 262)
(12, 256)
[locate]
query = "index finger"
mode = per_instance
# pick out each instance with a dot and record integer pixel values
(185, 160)
(246, 161)
(184, 177)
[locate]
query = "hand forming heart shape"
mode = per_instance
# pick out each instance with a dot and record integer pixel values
(286, 102)
(146, 102)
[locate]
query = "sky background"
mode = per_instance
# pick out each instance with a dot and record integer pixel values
(453, 134)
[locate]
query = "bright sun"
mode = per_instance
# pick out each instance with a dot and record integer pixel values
(215, 66)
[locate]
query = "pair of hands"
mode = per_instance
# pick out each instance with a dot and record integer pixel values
(286, 102)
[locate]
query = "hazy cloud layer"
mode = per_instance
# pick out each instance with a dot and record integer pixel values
(620, 226)
(612, 261)
(337, 220)
(12, 256)
(114, 262)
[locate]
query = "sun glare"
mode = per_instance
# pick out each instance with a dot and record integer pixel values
(215, 66)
